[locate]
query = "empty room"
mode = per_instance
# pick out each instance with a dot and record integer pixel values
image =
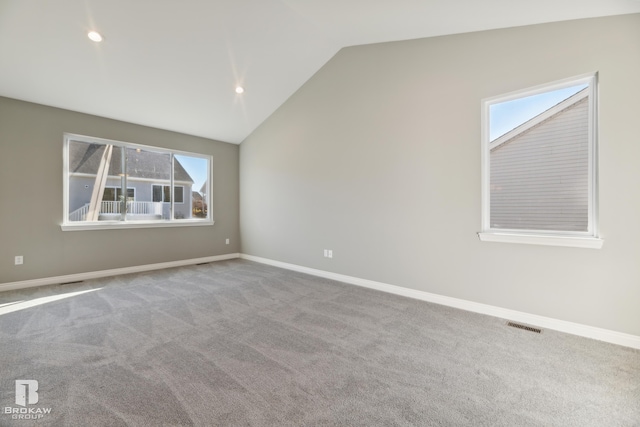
(319, 213)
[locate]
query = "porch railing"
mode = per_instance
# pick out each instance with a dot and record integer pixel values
(111, 207)
(79, 214)
(133, 208)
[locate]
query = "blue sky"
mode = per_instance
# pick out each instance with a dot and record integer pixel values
(508, 115)
(196, 167)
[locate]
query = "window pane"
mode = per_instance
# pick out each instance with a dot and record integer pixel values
(178, 194)
(157, 193)
(143, 166)
(109, 194)
(130, 194)
(539, 161)
(190, 180)
(93, 169)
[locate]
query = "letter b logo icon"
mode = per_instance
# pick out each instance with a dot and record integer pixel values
(26, 392)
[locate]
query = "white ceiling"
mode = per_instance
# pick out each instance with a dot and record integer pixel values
(174, 64)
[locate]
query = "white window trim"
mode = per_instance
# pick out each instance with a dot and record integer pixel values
(588, 239)
(540, 239)
(66, 225)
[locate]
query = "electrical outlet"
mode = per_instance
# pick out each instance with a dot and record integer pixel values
(328, 253)
(19, 260)
(226, 242)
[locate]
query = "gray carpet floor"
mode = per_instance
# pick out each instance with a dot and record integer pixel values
(236, 343)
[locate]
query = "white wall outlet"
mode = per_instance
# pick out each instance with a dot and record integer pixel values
(226, 242)
(328, 253)
(19, 260)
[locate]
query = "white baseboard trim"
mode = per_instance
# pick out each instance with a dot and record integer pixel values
(113, 272)
(600, 334)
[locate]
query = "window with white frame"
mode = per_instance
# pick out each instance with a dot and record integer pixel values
(539, 165)
(115, 194)
(162, 193)
(96, 172)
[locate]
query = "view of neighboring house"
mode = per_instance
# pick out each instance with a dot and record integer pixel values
(148, 183)
(557, 142)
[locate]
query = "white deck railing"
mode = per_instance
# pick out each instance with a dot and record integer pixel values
(79, 214)
(133, 208)
(110, 207)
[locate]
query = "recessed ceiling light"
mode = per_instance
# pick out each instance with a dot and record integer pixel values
(95, 36)
(239, 89)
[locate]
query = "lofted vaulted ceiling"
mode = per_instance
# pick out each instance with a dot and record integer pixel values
(175, 64)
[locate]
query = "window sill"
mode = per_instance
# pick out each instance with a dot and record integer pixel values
(547, 240)
(109, 225)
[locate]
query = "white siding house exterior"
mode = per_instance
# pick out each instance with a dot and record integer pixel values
(539, 174)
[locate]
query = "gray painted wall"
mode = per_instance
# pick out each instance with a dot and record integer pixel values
(31, 142)
(377, 157)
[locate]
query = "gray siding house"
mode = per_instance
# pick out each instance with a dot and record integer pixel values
(148, 184)
(557, 143)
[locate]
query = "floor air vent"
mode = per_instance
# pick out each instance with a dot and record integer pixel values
(525, 327)
(71, 283)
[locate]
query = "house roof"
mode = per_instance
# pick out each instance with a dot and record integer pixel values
(85, 158)
(196, 196)
(542, 117)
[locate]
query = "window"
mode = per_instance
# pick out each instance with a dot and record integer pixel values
(163, 194)
(178, 194)
(115, 193)
(539, 176)
(161, 185)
